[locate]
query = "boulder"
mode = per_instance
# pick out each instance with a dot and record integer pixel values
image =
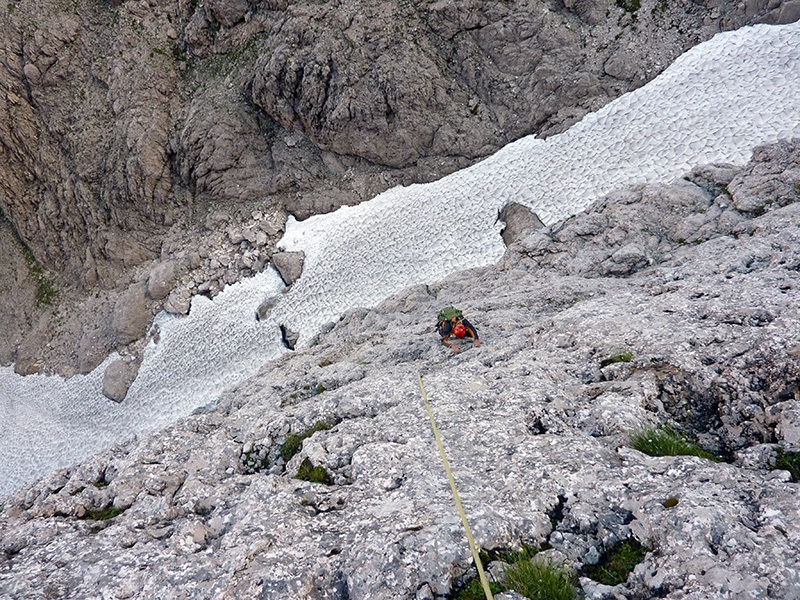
(266, 306)
(132, 315)
(118, 377)
(519, 220)
(179, 302)
(289, 265)
(161, 280)
(289, 337)
(227, 12)
(94, 346)
(760, 186)
(621, 65)
(787, 417)
(27, 365)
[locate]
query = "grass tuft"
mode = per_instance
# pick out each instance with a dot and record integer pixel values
(104, 514)
(294, 442)
(535, 579)
(541, 580)
(617, 563)
(308, 472)
(473, 590)
(619, 357)
(663, 441)
(788, 461)
(526, 552)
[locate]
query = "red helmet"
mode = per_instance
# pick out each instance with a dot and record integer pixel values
(459, 330)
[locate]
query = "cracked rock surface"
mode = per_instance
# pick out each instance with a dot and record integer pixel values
(699, 294)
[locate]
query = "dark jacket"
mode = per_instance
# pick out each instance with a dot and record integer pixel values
(445, 329)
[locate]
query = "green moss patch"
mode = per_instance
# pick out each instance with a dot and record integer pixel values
(294, 442)
(619, 357)
(788, 461)
(663, 441)
(617, 563)
(630, 6)
(46, 290)
(103, 514)
(308, 472)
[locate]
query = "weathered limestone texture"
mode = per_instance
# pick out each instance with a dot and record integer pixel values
(702, 296)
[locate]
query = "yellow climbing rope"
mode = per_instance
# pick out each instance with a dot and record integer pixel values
(475, 555)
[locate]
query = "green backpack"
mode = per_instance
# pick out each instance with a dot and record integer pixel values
(448, 314)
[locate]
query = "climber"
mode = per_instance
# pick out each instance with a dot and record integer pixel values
(451, 321)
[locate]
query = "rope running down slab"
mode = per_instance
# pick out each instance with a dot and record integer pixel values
(475, 556)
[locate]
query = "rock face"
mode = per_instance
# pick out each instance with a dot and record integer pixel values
(18, 303)
(125, 126)
(658, 305)
(397, 95)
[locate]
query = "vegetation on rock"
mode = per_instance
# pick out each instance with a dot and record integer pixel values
(473, 590)
(630, 6)
(308, 472)
(541, 580)
(535, 579)
(103, 514)
(618, 562)
(294, 441)
(619, 357)
(788, 461)
(663, 441)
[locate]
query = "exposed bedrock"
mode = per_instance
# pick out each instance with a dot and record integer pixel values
(582, 343)
(126, 126)
(398, 84)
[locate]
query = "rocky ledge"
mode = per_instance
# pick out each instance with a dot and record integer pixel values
(663, 305)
